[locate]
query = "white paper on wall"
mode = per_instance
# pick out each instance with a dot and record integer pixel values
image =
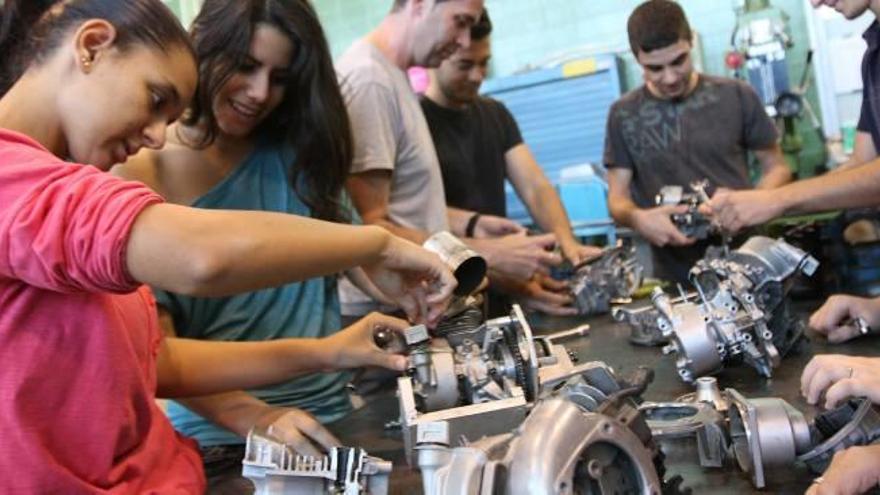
(847, 68)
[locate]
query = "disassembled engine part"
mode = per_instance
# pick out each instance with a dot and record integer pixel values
(275, 469)
(488, 361)
(765, 433)
(610, 278)
(482, 379)
(699, 415)
(707, 391)
(855, 423)
(468, 267)
(759, 433)
(644, 322)
(740, 311)
(692, 223)
(561, 448)
(461, 311)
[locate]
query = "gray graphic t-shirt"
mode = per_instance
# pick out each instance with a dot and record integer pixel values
(704, 136)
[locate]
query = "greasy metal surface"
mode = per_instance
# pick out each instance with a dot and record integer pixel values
(607, 341)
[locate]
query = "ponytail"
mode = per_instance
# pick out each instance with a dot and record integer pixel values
(30, 29)
(16, 19)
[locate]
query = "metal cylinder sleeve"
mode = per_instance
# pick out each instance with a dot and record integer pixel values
(468, 267)
(765, 433)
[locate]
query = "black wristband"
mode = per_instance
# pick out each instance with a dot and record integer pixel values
(471, 225)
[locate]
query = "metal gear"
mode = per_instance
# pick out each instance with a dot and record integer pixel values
(519, 364)
(671, 485)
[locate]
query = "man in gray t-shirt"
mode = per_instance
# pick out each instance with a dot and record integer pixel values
(680, 127)
(392, 139)
(396, 181)
(395, 178)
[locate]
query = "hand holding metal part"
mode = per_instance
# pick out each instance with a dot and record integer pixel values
(852, 472)
(845, 317)
(692, 223)
(611, 278)
(837, 378)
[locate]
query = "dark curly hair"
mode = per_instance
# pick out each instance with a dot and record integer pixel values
(657, 24)
(312, 116)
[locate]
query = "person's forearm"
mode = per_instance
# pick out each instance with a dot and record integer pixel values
(506, 284)
(864, 152)
(216, 252)
(488, 249)
(413, 235)
(458, 220)
(776, 176)
(236, 411)
(547, 210)
(853, 188)
(775, 171)
(191, 368)
(359, 279)
(623, 210)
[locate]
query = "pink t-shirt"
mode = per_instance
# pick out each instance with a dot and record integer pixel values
(78, 337)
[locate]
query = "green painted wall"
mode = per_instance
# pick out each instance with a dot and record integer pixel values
(532, 31)
(174, 5)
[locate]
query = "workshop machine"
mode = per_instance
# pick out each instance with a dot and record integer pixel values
(761, 44)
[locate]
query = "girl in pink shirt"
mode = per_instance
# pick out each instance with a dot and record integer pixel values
(81, 355)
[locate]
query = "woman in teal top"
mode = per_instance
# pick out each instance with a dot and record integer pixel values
(268, 130)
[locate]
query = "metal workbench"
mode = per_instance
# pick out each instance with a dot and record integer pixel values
(608, 342)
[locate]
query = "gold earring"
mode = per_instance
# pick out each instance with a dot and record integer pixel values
(87, 62)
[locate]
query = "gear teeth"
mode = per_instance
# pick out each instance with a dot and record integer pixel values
(672, 486)
(518, 361)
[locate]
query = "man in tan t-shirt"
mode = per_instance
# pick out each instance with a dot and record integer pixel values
(395, 180)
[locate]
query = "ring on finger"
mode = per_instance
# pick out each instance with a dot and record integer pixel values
(849, 372)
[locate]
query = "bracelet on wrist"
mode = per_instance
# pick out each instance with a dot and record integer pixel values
(471, 225)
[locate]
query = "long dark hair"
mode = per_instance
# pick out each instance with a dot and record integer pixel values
(30, 29)
(312, 116)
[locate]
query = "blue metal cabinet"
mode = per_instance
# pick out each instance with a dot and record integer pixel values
(562, 113)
